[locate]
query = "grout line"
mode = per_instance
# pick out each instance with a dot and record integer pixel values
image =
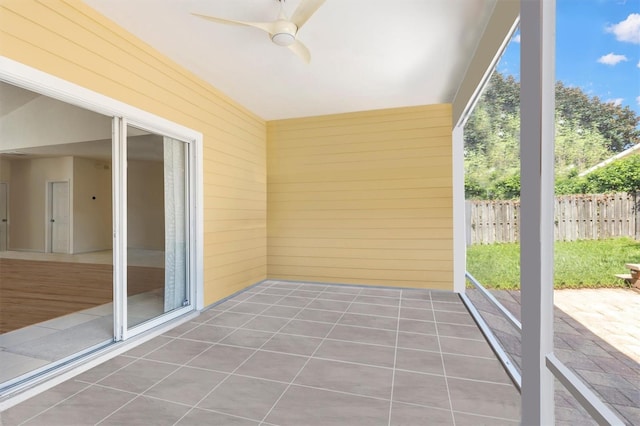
(255, 350)
(395, 358)
(262, 289)
(179, 366)
(325, 358)
(444, 370)
(210, 344)
(57, 403)
(305, 364)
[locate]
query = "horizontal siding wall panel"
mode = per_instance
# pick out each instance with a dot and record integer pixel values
(339, 186)
(363, 138)
(358, 233)
(357, 253)
(365, 194)
(72, 35)
(443, 245)
(391, 278)
(395, 114)
(404, 265)
(362, 198)
(412, 203)
(400, 214)
(70, 40)
(337, 176)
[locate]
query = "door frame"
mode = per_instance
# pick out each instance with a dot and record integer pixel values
(49, 210)
(8, 218)
(29, 78)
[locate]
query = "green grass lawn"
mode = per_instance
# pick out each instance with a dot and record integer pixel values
(591, 263)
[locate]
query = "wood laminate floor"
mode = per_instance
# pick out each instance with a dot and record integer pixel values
(32, 291)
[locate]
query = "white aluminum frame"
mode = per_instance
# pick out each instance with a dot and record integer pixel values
(119, 176)
(8, 195)
(537, 121)
(540, 365)
(29, 78)
(191, 248)
(459, 213)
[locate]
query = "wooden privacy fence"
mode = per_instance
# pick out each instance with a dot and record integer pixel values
(577, 217)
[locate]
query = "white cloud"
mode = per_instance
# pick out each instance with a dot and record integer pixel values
(627, 30)
(612, 59)
(638, 100)
(616, 101)
(638, 64)
(516, 38)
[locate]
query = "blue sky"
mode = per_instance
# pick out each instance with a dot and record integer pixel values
(597, 49)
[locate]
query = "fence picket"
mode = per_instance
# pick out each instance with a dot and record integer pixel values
(577, 217)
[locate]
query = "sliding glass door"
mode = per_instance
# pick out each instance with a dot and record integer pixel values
(157, 225)
(97, 230)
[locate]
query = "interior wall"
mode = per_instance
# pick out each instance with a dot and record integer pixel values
(362, 198)
(27, 198)
(5, 170)
(74, 42)
(145, 209)
(58, 123)
(92, 205)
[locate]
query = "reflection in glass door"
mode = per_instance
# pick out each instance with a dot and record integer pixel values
(157, 225)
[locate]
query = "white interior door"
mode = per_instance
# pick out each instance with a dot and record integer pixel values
(4, 213)
(59, 217)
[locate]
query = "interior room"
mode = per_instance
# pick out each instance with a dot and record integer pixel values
(56, 262)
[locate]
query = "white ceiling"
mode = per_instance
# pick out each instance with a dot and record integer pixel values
(365, 54)
(59, 129)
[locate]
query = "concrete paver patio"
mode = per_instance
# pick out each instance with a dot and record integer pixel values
(597, 335)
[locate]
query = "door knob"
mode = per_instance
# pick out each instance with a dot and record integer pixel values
(53, 220)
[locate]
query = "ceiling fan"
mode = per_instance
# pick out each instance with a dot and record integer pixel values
(283, 31)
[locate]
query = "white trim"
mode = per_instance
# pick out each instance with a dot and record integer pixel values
(459, 214)
(38, 81)
(78, 366)
(537, 94)
(493, 341)
(591, 403)
(477, 93)
(515, 323)
(197, 255)
(119, 195)
(609, 160)
(195, 216)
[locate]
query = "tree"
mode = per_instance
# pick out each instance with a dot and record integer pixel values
(618, 125)
(577, 148)
(587, 132)
(622, 175)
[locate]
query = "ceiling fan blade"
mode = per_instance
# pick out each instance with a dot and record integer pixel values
(301, 50)
(305, 9)
(265, 26)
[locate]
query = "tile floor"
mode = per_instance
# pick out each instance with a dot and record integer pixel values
(39, 345)
(297, 354)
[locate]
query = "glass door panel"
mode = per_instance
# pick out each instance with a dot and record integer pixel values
(157, 227)
(56, 263)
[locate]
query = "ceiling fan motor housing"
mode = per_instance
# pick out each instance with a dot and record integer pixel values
(284, 33)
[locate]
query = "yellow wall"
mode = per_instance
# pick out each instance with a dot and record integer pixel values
(72, 41)
(353, 198)
(362, 198)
